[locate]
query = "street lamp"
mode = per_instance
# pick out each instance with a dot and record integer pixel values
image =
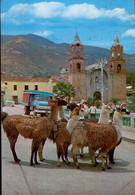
(79, 93)
(3, 92)
(102, 62)
(50, 81)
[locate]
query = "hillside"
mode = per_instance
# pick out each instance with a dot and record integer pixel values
(27, 55)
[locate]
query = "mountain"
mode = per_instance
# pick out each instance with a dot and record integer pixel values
(30, 54)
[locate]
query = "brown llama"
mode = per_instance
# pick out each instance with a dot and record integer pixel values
(97, 136)
(62, 139)
(35, 128)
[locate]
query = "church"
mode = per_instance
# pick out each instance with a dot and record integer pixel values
(100, 80)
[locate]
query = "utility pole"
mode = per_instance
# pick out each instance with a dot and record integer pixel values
(102, 62)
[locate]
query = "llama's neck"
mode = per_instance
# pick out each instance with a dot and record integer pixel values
(72, 122)
(62, 113)
(104, 117)
(54, 113)
(117, 122)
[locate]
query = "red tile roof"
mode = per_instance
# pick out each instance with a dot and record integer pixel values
(54, 78)
(58, 78)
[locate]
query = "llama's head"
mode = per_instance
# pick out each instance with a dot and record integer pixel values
(79, 110)
(57, 102)
(71, 106)
(122, 109)
(107, 107)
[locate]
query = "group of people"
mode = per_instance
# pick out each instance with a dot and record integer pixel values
(91, 110)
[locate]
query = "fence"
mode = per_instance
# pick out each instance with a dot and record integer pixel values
(128, 120)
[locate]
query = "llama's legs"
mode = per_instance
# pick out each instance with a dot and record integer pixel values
(40, 150)
(107, 162)
(81, 154)
(12, 135)
(66, 155)
(58, 155)
(74, 151)
(103, 158)
(34, 148)
(62, 152)
(12, 141)
(62, 156)
(92, 157)
(111, 154)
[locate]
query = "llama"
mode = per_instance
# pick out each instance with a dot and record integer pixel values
(97, 136)
(3, 115)
(62, 139)
(61, 117)
(103, 119)
(104, 114)
(35, 128)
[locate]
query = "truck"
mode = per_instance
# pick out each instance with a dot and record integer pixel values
(36, 101)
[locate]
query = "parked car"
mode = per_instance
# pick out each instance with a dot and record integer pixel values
(9, 102)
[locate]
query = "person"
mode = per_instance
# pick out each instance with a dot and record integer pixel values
(86, 108)
(93, 111)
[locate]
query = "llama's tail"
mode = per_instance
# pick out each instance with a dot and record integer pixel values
(3, 116)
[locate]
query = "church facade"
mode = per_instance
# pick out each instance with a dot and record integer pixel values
(96, 80)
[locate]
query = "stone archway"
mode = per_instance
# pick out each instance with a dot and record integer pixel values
(97, 94)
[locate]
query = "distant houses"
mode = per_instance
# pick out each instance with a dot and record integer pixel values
(15, 85)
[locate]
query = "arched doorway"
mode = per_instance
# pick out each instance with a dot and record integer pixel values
(97, 94)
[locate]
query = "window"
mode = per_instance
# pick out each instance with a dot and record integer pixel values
(26, 87)
(36, 87)
(119, 68)
(96, 79)
(78, 67)
(15, 87)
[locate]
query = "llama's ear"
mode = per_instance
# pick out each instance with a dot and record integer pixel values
(110, 104)
(118, 108)
(82, 106)
(50, 103)
(123, 105)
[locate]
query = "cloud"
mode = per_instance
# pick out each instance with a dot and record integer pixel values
(44, 34)
(130, 32)
(85, 10)
(18, 14)
(120, 13)
(47, 10)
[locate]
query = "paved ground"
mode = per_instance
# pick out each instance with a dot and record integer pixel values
(47, 179)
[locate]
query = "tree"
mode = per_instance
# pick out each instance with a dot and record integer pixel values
(131, 103)
(63, 90)
(91, 100)
(130, 78)
(115, 100)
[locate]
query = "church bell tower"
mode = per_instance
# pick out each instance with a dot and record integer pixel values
(77, 74)
(117, 71)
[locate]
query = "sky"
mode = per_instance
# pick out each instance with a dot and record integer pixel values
(96, 21)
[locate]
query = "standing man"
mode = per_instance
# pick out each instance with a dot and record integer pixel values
(93, 111)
